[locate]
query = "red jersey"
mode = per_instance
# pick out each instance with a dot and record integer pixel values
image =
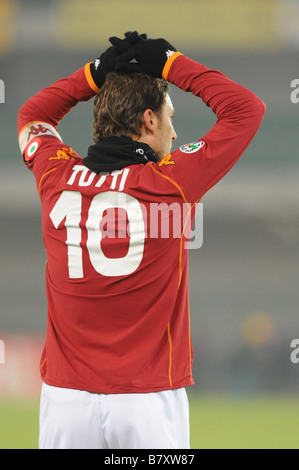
(118, 312)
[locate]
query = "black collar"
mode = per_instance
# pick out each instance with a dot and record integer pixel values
(114, 153)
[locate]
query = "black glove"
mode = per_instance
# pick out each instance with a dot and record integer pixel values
(151, 55)
(107, 61)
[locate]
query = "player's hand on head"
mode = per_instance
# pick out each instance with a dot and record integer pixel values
(150, 54)
(106, 62)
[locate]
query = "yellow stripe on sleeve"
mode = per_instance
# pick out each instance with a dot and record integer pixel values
(89, 78)
(168, 64)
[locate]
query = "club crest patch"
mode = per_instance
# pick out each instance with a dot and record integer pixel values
(192, 148)
(31, 149)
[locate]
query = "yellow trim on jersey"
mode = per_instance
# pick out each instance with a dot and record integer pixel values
(180, 277)
(168, 64)
(89, 78)
(181, 246)
(43, 363)
(180, 271)
(172, 182)
(42, 177)
(170, 354)
(190, 344)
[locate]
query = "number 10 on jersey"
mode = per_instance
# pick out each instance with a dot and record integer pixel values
(69, 208)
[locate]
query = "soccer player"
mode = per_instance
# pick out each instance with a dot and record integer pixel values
(118, 352)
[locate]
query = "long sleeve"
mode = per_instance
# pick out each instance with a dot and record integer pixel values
(197, 166)
(51, 104)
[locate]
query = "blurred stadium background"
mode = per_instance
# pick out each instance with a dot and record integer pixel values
(244, 279)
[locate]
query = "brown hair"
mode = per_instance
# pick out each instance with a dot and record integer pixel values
(122, 100)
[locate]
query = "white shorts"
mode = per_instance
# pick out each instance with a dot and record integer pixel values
(75, 419)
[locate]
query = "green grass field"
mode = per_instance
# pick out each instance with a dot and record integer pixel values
(216, 423)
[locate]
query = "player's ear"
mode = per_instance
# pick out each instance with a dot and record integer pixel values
(150, 121)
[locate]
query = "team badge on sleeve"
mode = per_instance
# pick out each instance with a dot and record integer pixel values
(31, 149)
(193, 147)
